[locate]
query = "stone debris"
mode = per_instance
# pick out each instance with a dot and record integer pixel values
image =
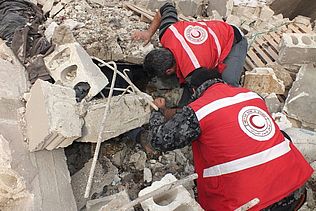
(126, 112)
(263, 80)
(299, 104)
(70, 64)
(297, 48)
(304, 140)
(273, 103)
(102, 178)
(176, 199)
(51, 117)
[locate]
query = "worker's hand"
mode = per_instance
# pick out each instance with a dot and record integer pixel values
(160, 102)
(142, 35)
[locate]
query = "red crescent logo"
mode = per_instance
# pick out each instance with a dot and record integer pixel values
(253, 124)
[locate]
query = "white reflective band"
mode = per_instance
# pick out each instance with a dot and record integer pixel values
(218, 45)
(249, 161)
(248, 205)
(224, 102)
(186, 47)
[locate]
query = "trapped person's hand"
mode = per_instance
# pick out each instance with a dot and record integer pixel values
(160, 102)
(142, 35)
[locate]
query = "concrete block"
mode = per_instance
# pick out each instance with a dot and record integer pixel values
(13, 77)
(126, 113)
(273, 103)
(154, 5)
(100, 179)
(218, 5)
(282, 74)
(263, 80)
(303, 20)
(301, 101)
(305, 141)
(70, 64)
(51, 118)
(175, 199)
(115, 201)
(191, 8)
(297, 48)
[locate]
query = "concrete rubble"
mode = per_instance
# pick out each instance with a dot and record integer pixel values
(176, 199)
(37, 119)
(51, 117)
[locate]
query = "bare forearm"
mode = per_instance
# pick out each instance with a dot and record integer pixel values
(154, 24)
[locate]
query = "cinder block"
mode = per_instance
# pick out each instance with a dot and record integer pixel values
(297, 48)
(70, 64)
(273, 103)
(51, 118)
(126, 113)
(175, 199)
(263, 80)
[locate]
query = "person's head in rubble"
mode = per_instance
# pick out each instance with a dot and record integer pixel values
(203, 74)
(160, 62)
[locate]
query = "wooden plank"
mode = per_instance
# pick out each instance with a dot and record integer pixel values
(276, 37)
(272, 42)
(254, 57)
(294, 29)
(264, 56)
(249, 64)
(265, 45)
(303, 28)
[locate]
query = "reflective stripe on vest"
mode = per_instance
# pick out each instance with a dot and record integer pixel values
(224, 102)
(249, 161)
(218, 45)
(185, 46)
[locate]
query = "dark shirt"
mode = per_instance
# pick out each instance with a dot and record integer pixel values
(169, 16)
(181, 129)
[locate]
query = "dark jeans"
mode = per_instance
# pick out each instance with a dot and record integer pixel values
(235, 63)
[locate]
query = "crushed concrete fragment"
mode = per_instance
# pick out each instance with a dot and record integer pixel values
(273, 103)
(116, 201)
(70, 64)
(175, 199)
(301, 97)
(51, 117)
(5, 153)
(127, 112)
(263, 80)
(148, 177)
(138, 160)
(102, 177)
(297, 48)
(62, 35)
(305, 141)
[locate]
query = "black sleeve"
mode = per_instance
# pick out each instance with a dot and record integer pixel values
(176, 133)
(169, 16)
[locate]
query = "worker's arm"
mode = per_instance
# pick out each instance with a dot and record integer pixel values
(166, 16)
(179, 131)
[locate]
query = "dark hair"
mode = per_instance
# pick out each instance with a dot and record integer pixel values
(202, 74)
(158, 61)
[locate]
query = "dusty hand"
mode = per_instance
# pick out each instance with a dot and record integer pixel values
(142, 35)
(160, 103)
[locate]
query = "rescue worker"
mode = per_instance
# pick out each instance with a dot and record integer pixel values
(240, 154)
(190, 45)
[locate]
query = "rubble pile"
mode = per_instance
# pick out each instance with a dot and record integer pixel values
(47, 124)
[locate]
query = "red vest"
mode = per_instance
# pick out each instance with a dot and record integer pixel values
(198, 44)
(241, 154)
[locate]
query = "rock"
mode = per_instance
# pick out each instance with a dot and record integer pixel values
(138, 160)
(148, 177)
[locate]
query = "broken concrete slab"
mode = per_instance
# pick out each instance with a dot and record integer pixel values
(305, 141)
(297, 48)
(300, 103)
(282, 74)
(273, 103)
(70, 64)
(51, 117)
(5, 153)
(13, 77)
(101, 178)
(177, 198)
(263, 80)
(190, 8)
(126, 113)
